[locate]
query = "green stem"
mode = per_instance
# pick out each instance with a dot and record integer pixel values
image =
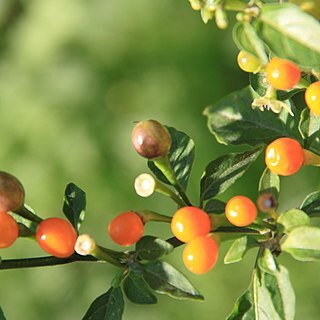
(161, 188)
(148, 215)
(164, 166)
(114, 257)
(28, 214)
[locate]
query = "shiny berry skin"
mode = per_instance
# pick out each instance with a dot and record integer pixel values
(57, 237)
(282, 74)
(241, 211)
(312, 97)
(201, 254)
(189, 223)
(9, 230)
(126, 229)
(247, 62)
(284, 156)
(151, 139)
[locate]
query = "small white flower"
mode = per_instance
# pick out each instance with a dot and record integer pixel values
(275, 105)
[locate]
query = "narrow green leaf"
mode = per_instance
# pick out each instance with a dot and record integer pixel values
(239, 248)
(224, 171)
(303, 243)
(290, 33)
(311, 204)
(137, 290)
(269, 182)
(309, 123)
(181, 157)
(74, 204)
(243, 308)
(2, 317)
(313, 143)
(152, 248)
(215, 206)
(164, 278)
(109, 306)
(246, 38)
(267, 263)
(232, 121)
(293, 218)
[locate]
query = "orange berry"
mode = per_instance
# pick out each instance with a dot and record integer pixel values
(200, 254)
(312, 97)
(284, 156)
(9, 230)
(241, 211)
(189, 223)
(126, 229)
(57, 237)
(282, 74)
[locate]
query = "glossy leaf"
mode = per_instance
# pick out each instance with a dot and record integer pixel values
(224, 171)
(164, 278)
(243, 308)
(290, 33)
(215, 206)
(313, 143)
(109, 306)
(74, 205)
(267, 263)
(2, 317)
(245, 37)
(239, 248)
(152, 248)
(309, 123)
(232, 121)
(293, 218)
(269, 182)
(181, 157)
(303, 243)
(137, 290)
(311, 204)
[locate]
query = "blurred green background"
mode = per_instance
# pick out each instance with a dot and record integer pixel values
(74, 75)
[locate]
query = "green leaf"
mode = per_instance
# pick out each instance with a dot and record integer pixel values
(303, 243)
(269, 182)
(293, 218)
(224, 171)
(215, 206)
(2, 317)
(313, 143)
(267, 263)
(181, 157)
(137, 290)
(164, 278)
(152, 248)
(243, 308)
(245, 37)
(290, 33)
(309, 123)
(239, 248)
(74, 205)
(109, 306)
(233, 121)
(311, 204)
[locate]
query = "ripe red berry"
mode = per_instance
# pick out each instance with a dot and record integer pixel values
(312, 97)
(126, 229)
(241, 211)
(201, 254)
(189, 223)
(57, 237)
(282, 74)
(151, 139)
(284, 156)
(9, 230)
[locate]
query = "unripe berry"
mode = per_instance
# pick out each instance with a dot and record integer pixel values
(284, 156)
(11, 192)
(126, 229)
(9, 230)
(151, 139)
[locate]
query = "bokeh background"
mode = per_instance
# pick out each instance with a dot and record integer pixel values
(74, 75)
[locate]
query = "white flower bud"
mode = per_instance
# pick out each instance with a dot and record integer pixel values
(84, 245)
(144, 185)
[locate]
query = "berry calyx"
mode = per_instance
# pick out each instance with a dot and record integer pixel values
(267, 202)
(247, 62)
(282, 74)
(312, 97)
(201, 254)
(57, 237)
(126, 229)
(151, 139)
(9, 230)
(189, 223)
(11, 193)
(241, 211)
(284, 156)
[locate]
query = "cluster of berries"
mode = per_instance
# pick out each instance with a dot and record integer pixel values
(282, 74)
